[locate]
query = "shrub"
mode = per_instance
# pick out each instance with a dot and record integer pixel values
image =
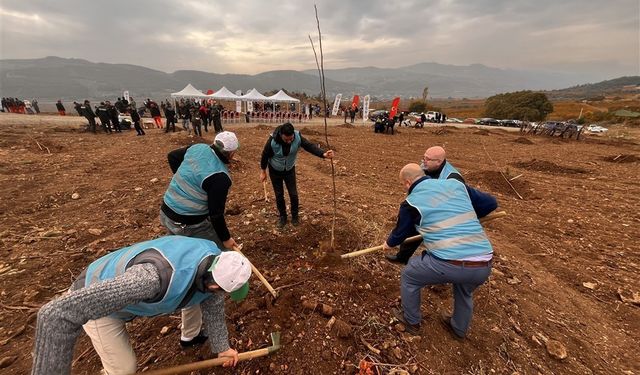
(418, 106)
(520, 105)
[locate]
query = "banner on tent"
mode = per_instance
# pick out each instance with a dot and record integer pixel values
(365, 108)
(394, 107)
(239, 102)
(336, 105)
(249, 106)
(126, 95)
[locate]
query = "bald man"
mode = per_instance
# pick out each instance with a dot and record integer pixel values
(435, 165)
(445, 212)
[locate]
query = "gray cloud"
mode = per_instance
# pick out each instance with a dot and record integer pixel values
(601, 39)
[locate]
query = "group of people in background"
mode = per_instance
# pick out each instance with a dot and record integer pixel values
(15, 105)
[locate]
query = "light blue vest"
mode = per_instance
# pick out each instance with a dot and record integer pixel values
(449, 226)
(184, 254)
(447, 170)
(185, 195)
(282, 163)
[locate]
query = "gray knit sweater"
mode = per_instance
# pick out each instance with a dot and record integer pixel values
(60, 321)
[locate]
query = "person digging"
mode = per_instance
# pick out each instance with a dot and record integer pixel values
(150, 278)
(279, 156)
(445, 212)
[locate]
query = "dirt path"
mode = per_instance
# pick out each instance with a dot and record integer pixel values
(563, 256)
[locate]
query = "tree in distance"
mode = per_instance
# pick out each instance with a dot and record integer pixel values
(519, 105)
(418, 106)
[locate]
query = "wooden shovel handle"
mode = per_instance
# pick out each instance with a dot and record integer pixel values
(491, 216)
(209, 363)
(259, 275)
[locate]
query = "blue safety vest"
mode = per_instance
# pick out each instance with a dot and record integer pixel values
(282, 163)
(448, 224)
(185, 195)
(447, 170)
(183, 254)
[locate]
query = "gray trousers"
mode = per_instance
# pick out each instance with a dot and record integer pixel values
(203, 229)
(426, 270)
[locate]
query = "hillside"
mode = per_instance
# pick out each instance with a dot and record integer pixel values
(618, 86)
(70, 79)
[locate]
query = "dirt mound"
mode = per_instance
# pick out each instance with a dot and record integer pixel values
(622, 158)
(548, 167)
(263, 127)
(440, 131)
(346, 126)
(523, 140)
(307, 132)
(482, 132)
(494, 182)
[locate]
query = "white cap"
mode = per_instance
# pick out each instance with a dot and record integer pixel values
(227, 141)
(231, 271)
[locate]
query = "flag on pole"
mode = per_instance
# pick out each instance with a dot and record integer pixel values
(238, 102)
(365, 108)
(336, 105)
(394, 107)
(355, 102)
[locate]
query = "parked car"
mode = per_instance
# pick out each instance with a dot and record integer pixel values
(509, 123)
(489, 121)
(374, 115)
(593, 128)
(470, 120)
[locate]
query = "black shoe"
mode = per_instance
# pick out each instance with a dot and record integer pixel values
(412, 329)
(295, 221)
(394, 259)
(445, 320)
(282, 222)
(201, 338)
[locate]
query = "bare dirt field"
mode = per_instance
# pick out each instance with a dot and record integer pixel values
(565, 274)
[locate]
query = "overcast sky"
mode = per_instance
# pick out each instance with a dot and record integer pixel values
(252, 36)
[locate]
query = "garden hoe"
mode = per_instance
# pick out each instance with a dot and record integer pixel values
(275, 345)
(491, 216)
(264, 281)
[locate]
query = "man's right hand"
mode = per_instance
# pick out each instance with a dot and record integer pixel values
(232, 354)
(263, 175)
(230, 243)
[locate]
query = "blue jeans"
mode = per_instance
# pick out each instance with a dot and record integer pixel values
(427, 270)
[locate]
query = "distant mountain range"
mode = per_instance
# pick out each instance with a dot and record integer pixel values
(60, 78)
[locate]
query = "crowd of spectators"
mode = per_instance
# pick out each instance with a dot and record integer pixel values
(15, 105)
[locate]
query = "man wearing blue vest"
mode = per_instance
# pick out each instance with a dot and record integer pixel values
(435, 165)
(445, 212)
(279, 155)
(146, 279)
(195, 200)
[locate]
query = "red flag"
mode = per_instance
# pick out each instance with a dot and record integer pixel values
(356, 100)
(209, 92)
(394, 107)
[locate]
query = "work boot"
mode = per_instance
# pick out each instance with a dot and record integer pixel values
(201, 338)
(295, 221)
(412, 329)
(282, 221)
(445, 320)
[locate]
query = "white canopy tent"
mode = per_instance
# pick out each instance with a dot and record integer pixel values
(224, 94)
(254, 96)
(188, 92)
(282, 96)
